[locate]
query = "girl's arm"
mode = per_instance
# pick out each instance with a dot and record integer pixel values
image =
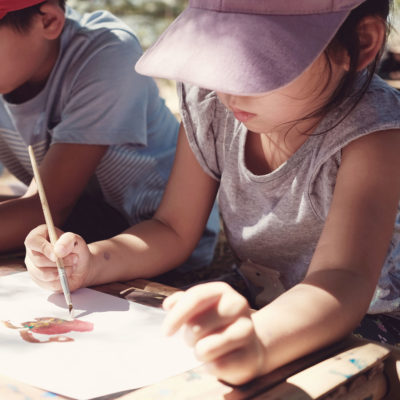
(335, 293)
(144, 250)
(167, 240)
(65, 171)
(347, 262)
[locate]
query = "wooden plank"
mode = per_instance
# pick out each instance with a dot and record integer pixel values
(199, 385)
(327, 375)
(373, 388)
(154, 287)
(16, 256)
(11, 389)
(392, 373)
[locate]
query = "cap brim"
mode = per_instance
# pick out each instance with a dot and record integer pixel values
(239, 53)
(17, 5)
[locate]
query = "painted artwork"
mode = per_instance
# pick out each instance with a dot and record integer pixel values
(54, 328)
(110, 337)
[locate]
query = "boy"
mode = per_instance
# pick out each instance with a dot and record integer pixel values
(104, 139)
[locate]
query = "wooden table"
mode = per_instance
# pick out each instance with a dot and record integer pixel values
(377, 373)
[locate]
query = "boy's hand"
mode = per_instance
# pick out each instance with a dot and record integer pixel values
(217, 323)
(40, 259)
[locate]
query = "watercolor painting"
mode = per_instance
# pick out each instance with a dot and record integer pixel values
(110, 336)
(56, 328)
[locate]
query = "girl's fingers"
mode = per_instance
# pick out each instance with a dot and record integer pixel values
(66, 244)
(171, 300)
(238, 366)
(36, 242)
(234, 336)
(45, 273)
(207, 323)
(39, 260)
(51, 281)
(204, 309)
(40, 257)
(194, 301)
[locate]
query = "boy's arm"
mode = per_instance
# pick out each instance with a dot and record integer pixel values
(65, 171)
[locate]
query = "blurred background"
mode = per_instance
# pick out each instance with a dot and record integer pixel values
(148, 18)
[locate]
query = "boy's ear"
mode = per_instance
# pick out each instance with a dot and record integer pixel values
(372, 32)
(51, 20)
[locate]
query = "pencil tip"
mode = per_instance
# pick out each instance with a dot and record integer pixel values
(71, 311)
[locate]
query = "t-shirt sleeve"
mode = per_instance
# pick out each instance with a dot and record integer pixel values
(198, 111)
(106, 102)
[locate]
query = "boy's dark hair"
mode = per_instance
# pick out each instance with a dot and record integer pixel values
(21, 20)
(347, 38)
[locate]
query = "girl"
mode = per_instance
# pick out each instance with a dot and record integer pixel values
(283, 116)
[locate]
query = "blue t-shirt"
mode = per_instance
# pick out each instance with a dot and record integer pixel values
(94, 96)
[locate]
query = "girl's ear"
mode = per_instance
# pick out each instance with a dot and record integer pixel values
(372, 32)
(51, 20)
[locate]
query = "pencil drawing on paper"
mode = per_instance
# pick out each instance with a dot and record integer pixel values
(56, 328)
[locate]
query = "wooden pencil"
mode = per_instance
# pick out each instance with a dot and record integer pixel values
(52, 232)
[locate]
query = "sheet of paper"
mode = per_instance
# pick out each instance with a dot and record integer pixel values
(112, 345)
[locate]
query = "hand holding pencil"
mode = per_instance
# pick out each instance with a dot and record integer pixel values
(51, 231)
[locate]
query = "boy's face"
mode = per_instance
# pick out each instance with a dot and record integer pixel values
(24, 58)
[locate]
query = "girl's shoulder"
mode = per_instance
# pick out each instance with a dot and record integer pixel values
(378, 110)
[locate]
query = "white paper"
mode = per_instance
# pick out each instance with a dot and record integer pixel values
(125, 350)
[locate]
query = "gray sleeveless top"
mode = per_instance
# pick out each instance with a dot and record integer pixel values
(275, 220)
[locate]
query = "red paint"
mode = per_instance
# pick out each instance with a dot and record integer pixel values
(56, 326)
(50, 326)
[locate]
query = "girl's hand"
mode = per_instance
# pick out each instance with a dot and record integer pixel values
(217, 323)
(40, 259)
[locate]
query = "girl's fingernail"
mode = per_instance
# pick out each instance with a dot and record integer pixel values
(75, 260)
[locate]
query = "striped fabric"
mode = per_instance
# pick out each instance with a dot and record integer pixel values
(94, 96)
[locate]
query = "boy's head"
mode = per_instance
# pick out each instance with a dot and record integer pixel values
(30, 33)
(19, 14)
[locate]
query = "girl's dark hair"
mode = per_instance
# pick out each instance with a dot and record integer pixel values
(347, 39)
(21, 20)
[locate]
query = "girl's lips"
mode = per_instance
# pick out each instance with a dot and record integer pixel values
(242, 116)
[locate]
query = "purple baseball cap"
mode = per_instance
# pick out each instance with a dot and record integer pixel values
(244, 47)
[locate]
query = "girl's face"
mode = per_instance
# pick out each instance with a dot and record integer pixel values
(274, 111)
